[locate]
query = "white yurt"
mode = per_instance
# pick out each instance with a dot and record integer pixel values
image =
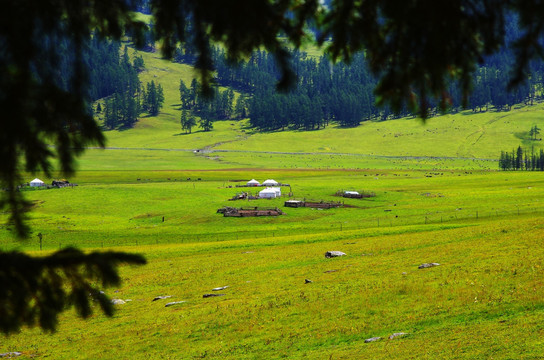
(37, 182)
(277, 190)
(253, 182)
(270, 182)
(351, 193)
(268, 193)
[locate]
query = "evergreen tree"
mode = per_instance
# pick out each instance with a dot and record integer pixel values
(187, 121)
(205, 123)
(153, 99)
(184, 95)
(138, 63)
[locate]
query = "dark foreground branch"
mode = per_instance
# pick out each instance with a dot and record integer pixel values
(33, 291)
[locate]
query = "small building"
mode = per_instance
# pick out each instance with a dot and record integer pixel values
(253, 182)
(351, 193)
(293, 203)
(277, 190)
(37, 182)
(270, 182)
(268, 193)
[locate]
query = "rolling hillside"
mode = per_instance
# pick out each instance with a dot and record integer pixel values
(465, 140)
(261, 287)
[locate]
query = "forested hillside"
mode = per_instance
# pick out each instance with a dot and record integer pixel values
(343, 93)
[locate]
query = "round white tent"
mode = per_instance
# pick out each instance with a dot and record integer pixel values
(37, 182)
(253, 182)
(268, 193)
(270, 182)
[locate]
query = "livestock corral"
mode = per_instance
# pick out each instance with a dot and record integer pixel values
(355, 194)
(228, 211)
(315, 204)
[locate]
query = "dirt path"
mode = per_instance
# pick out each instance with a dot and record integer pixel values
(209, 149)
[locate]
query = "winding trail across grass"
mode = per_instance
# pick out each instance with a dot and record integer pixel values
(209, 150)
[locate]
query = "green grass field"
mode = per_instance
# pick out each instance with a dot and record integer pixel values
(439, 198)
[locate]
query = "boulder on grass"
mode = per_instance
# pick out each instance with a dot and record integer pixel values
(427, 265)
(331, 254)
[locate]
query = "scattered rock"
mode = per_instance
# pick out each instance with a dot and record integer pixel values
(330, 271)
(405, 273)
(427, 265)
(372, 339)
(366, 254)
(353, 243)
(212, 295)
(331, 254)
(248, 252)
(117, 302)
(173, 303)
(396, 335)
(308, 281)
(220, 288)
(162, 297)
(9, 355)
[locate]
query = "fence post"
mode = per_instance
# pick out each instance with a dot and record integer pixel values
(40, 236)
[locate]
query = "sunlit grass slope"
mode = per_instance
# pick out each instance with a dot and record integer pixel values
(127, 207)
(153, 194)
(484, 301)
(464, 140)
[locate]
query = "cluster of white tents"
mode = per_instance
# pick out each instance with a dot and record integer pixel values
(268, 182)
(272, 191)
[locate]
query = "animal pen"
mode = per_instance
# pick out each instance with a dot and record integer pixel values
(355, 194)
(228, 211)
(313, 204)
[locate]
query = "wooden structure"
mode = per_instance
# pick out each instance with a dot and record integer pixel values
(313, 204)
(355, 194)
(228, 211)
(243, 196)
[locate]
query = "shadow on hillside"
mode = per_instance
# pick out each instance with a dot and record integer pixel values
(184, 133)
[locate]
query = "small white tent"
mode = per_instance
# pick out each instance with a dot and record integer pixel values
(268, 193)
(351, 193)
(277, 190)
(37, 182)
(270, 182)
(253, 182)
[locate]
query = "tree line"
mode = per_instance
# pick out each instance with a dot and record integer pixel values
(131, 98)
(520, 159)
(343, 93)
(220, 105)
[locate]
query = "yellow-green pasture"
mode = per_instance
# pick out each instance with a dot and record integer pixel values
(111, 208)
(484, 301)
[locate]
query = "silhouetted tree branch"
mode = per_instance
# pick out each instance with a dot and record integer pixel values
(34, 290)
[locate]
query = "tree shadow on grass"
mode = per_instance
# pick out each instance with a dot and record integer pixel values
(183, 133)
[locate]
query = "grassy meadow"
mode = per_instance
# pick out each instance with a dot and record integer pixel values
(439, 198)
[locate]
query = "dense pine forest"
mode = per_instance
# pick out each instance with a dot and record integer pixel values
(343, 93)
(325, 93)
(113, 77)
